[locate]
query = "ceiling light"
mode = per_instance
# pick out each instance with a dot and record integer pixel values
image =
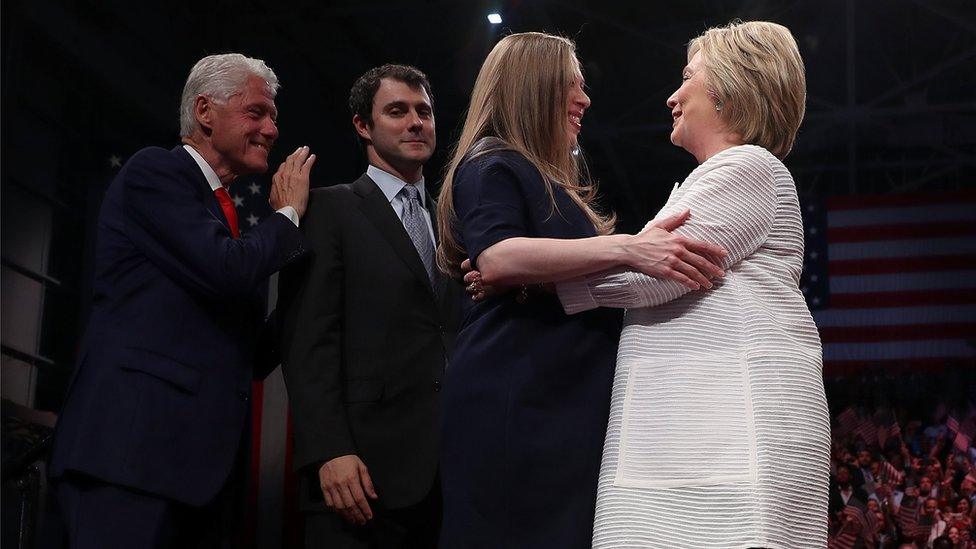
(494, 18)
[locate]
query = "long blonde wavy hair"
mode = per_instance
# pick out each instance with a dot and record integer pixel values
(520, 98)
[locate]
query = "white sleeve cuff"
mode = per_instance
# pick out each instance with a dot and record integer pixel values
(290, 213)
(575, 295)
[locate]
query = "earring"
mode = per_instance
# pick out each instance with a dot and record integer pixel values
(719, 104)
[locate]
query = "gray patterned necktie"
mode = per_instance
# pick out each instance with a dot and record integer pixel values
(416, 226)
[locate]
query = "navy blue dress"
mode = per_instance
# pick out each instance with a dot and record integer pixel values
(527, 393)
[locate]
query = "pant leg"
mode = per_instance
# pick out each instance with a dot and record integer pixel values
(329, 531)
(98, 515)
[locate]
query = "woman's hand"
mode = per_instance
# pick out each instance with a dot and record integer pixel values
(657, 252)
(475, 287)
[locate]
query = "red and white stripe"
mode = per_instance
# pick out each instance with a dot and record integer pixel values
(272, 519)
(902, 274)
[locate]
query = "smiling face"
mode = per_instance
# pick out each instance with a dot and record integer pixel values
(242, 130)
(576, 104)
(697, 126)
(401, 137)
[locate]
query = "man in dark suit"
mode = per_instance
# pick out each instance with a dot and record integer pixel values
(368, 325)
(155, 414)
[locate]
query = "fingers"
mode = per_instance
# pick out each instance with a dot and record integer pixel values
(332, 499)
(680, 277)
(692, 272)
(359, 497)
(472, 276)
(294, 162)
(672, 221)
(367, 482)
(307, 165)
(349, 506)
(704, 248)
(705, 265)
(465, 265)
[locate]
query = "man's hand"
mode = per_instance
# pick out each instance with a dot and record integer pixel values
(290, 183)
(345, 485)
(656, 252)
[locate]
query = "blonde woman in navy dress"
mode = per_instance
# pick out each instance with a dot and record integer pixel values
(719, 433)
(527, 392)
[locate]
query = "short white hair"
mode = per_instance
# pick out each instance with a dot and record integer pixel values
(219, 77)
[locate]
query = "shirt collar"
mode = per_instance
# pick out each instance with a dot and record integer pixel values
(391, 185)
(208, 172)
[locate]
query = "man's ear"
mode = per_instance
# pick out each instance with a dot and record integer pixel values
(362, 127)
(203, 111)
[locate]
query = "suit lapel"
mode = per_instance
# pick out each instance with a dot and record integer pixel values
(379, 212)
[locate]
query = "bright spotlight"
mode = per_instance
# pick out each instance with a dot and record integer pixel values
(494, 18)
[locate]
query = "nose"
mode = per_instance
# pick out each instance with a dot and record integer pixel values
(673, 101)
(583, 100)
(270, 129)
(416, 123)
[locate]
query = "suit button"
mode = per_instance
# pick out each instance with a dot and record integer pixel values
(243, 396)
(437, 386)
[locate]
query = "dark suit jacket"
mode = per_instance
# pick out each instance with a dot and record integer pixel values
(160, 393)
(366, 339)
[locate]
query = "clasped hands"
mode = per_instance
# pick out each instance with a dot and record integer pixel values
(655, 251)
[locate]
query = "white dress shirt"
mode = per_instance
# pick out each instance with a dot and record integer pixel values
(214, 181)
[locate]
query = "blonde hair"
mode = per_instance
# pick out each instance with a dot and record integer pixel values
(520, 98)
(755, 69)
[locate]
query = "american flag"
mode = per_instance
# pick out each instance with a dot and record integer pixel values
(890, 475)
(847, 421)
(855, 531)
(272, 518)
(891, 279)
(964, 433)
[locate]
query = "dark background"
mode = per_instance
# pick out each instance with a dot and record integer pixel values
(891, 109)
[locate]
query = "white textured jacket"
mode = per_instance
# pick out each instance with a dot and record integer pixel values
(719, 434)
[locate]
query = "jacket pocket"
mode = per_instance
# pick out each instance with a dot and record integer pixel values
(687, 422)
(364, 390)
(182, 376)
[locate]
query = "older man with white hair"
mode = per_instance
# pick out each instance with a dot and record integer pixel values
(155, 414)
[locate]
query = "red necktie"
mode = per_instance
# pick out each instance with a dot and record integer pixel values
(230, 212)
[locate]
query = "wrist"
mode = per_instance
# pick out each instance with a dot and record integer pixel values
(620, 249)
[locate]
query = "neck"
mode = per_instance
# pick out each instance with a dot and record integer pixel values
(714, 145)
(204, 148)
(409, 173)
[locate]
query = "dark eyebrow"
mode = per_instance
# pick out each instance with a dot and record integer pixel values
(395, 105)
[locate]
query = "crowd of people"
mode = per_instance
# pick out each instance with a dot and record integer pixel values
(902, 482)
